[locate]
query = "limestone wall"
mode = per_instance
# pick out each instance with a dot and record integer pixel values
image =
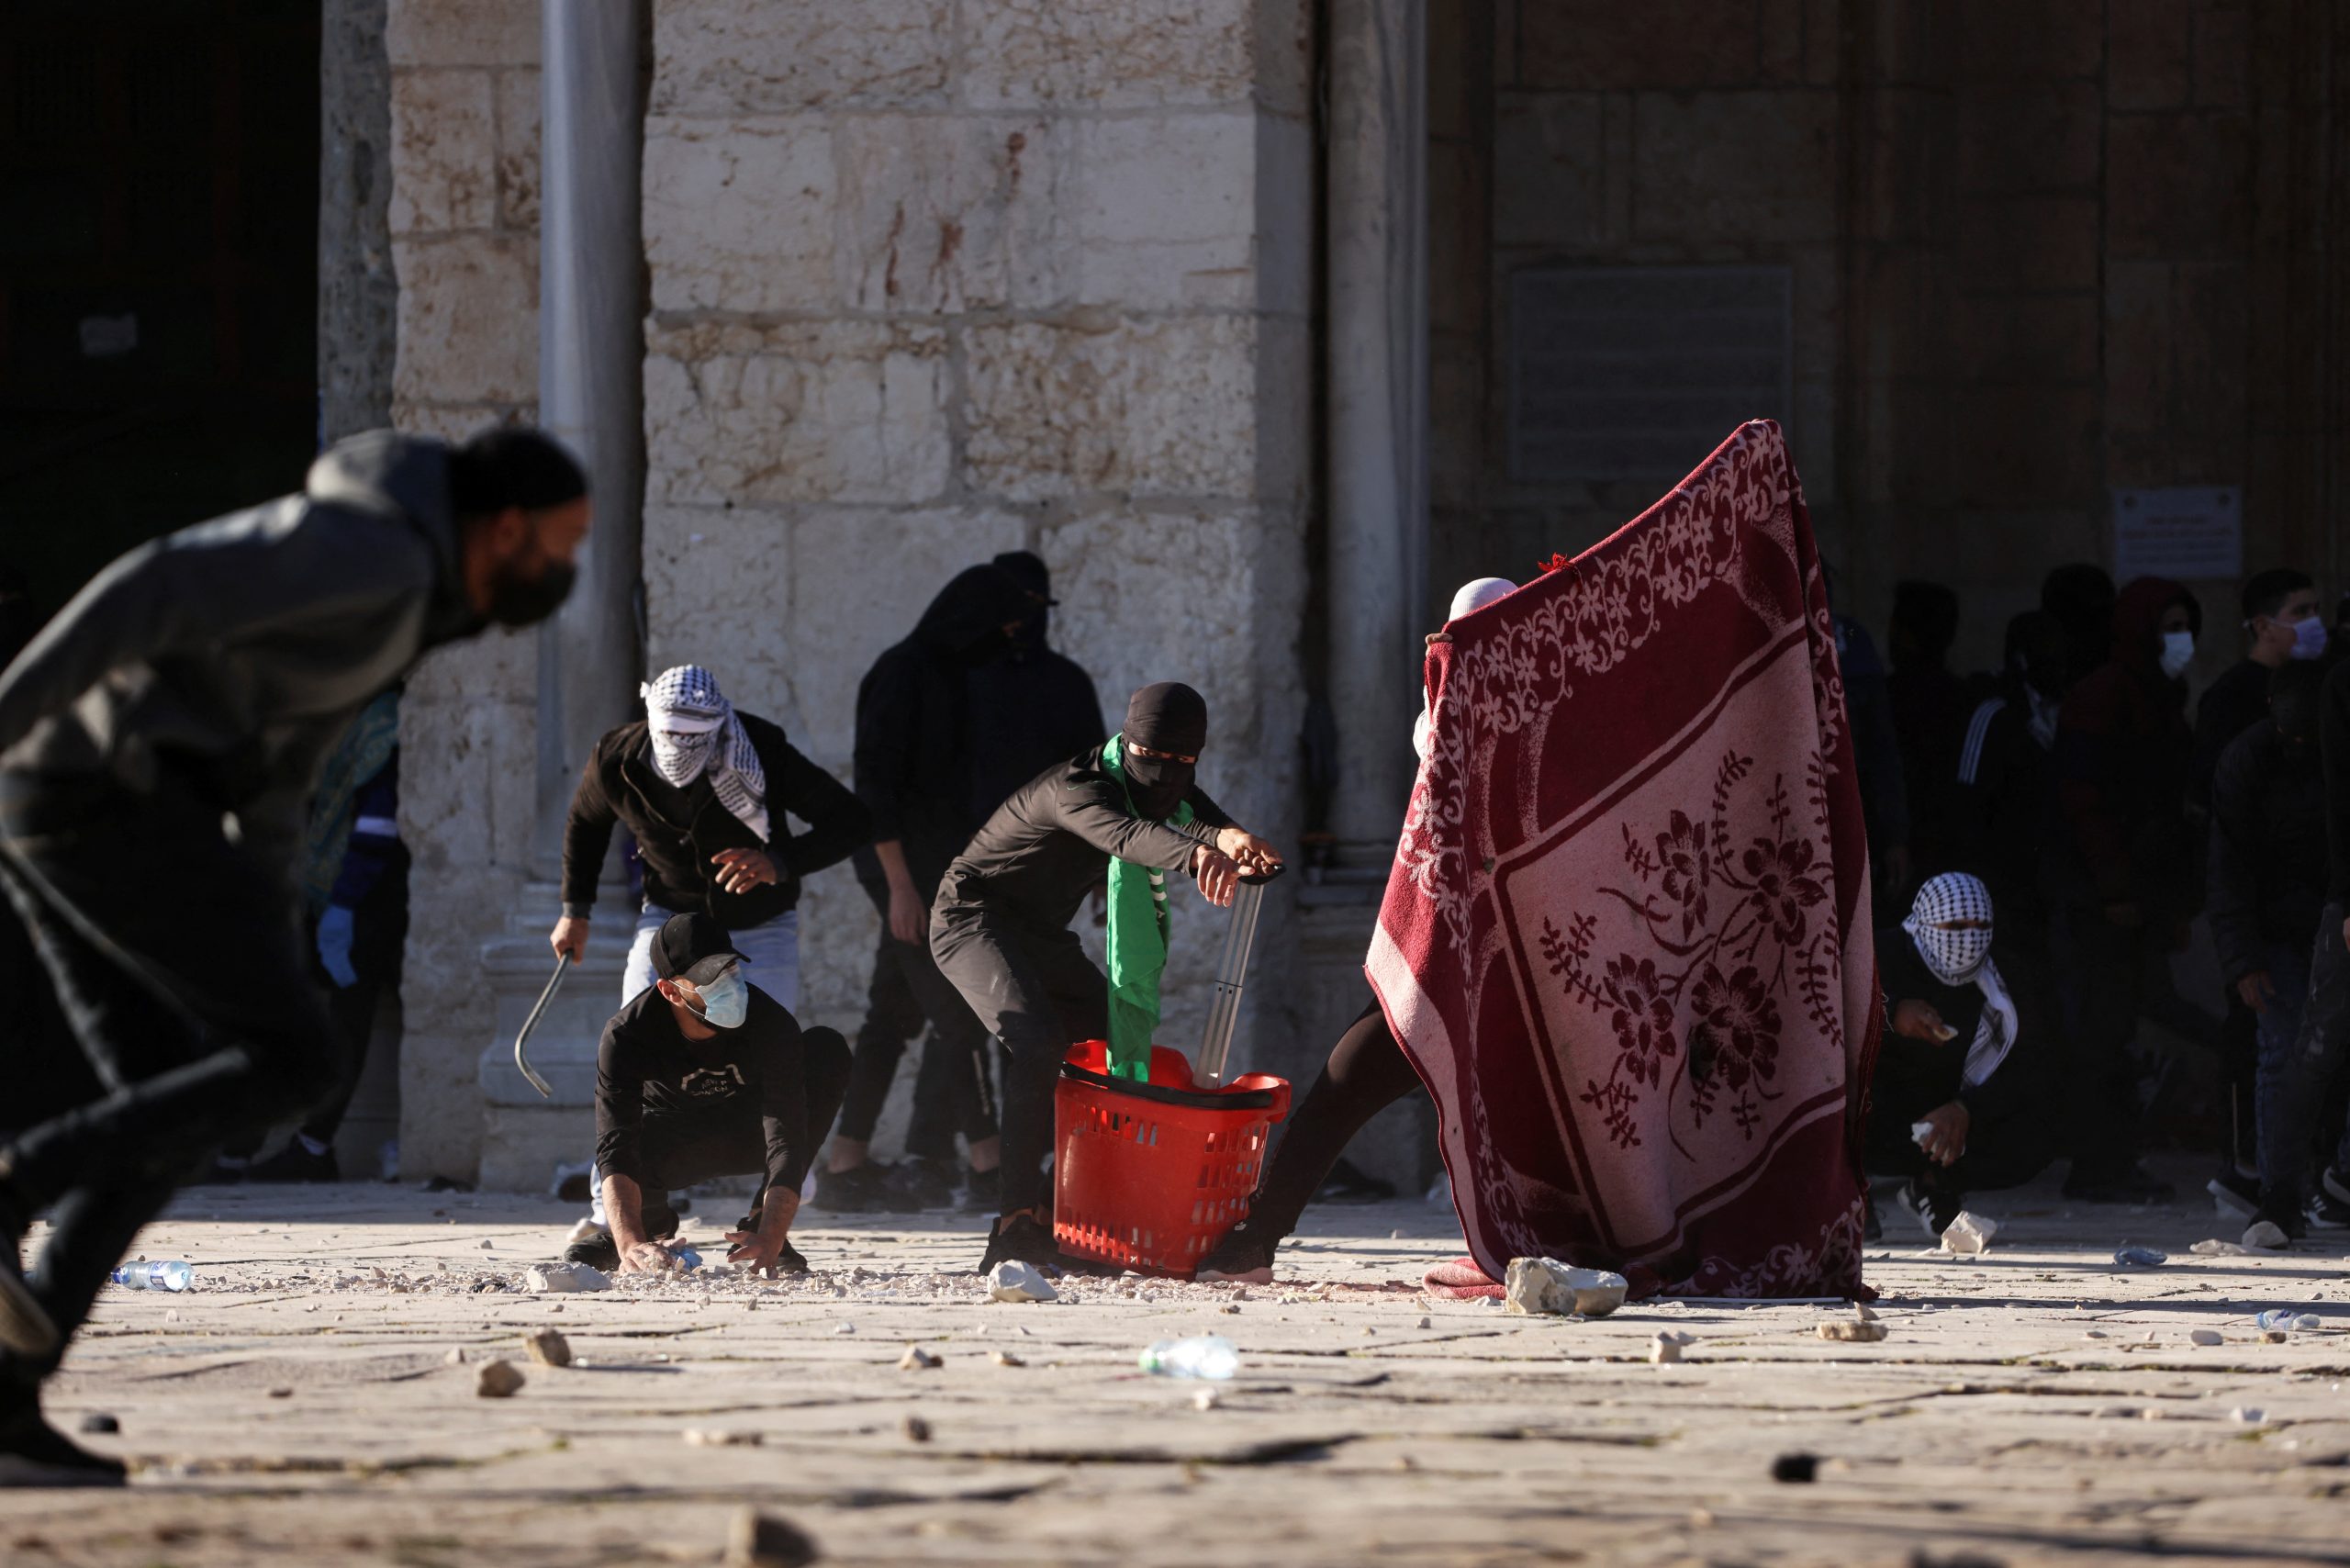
(465, 247)
(930, 280)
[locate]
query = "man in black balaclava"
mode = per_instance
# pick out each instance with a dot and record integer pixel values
(159, 742)
(917, 733)
(1000, 927)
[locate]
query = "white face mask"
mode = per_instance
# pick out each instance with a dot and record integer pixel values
(2178, 652)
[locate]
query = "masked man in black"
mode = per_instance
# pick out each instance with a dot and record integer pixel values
(159, 740)
(1000, 927)
(706, 1075)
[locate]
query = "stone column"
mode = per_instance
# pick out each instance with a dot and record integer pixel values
(590, 656)
(592, 357)
(1378, 400)
(357, 292)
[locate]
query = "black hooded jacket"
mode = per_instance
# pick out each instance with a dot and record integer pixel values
(1030, 708)
(228, 658)
(915, 724)
(2123, 755)
(2267, 847)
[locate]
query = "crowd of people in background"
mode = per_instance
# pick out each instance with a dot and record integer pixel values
(2084, 811)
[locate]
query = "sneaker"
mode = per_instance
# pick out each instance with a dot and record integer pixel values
(787, 1261)
(2237, 1196)
(583, 1229)
(598, 1250)
(294, 1163)
(1242, 1257)
(918, 1183)
(34, 1453)
(2325, 1212)
(1931, 1206)
(860, 1189)
(983, 1190)
(1021, 1239)
(2130, 1183)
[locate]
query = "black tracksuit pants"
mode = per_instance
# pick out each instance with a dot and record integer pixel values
(175, 956)
(953, 1086)
(1367, 1073)
(1037, 993)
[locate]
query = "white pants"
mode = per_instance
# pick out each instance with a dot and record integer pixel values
(770, 962)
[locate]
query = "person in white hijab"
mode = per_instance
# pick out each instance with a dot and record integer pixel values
(1469, 597)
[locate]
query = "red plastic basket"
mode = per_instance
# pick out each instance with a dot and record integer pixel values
(1149, 1176)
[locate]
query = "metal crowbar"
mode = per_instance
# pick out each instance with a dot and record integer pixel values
(555, 982)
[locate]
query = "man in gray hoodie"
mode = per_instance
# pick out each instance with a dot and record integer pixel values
(159, 740)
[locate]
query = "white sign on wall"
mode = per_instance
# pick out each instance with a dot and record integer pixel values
(2187, 532)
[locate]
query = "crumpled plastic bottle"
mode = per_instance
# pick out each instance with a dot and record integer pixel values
(1210, 1356)
(2142, 1257)
(2289, 1317)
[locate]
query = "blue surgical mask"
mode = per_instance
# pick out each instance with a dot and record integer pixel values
(726, 1000)
(2178, 652)
(2309, 638)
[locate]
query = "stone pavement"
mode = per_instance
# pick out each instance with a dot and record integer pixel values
(299, 1405)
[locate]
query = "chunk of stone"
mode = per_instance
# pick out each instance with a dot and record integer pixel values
(456, 1356)
(844, 1327)
(720, 1438)
(758, 1540)
(548, 1278)
(2206, 1336)
(100, 1421)
(1663, 1349)
(497, 1379)
(2274, 1336)
(1206, 1399)
(2247, 1415)
(1860, 1310)
(1005, 1359)
(1424, 1323)
(1795, 1468)
(2266, 1236)
(1969, 1235)
(1545, 1285)
(548, 1348)
(2215, 1247)
(1013, 1280)
(916, 1359)
(1852, 1331)
(281, 1391)
(917, 1430)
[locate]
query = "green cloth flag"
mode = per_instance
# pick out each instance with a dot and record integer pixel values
(1138, 944)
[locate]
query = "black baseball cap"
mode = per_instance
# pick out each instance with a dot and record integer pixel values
(692, 948)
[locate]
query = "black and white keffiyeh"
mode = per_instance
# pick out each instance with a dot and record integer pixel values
(695, 728)
(1964, 957)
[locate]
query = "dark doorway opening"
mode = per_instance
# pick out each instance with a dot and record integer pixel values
(159, 211)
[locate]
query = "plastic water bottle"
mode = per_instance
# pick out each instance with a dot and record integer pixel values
(2286, 1317)
(1210, 1356)
(2142, 1257)
(154, 1276)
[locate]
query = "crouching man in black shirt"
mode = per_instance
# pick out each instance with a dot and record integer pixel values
(706, 1075)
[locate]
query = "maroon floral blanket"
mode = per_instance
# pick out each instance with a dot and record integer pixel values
(1626, 937)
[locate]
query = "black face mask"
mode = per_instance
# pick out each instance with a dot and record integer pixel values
(1156, 784)
(525, 601)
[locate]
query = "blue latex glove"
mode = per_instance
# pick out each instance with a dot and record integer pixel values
(334, 945)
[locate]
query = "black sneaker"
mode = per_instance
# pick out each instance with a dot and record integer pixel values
(918, 1183)
(2326, 1212)
(859, 1189)
(1022, 1240)
(34, 1453)
(787, 1261)
(983, 1190)
(1932, 1206)
(2128, 1184)
(1242, 1257)
(597, 1251)
(2236, 1195)
(294, 1163)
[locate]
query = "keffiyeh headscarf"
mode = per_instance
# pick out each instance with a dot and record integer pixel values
(1964, 957)
(694, 729)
